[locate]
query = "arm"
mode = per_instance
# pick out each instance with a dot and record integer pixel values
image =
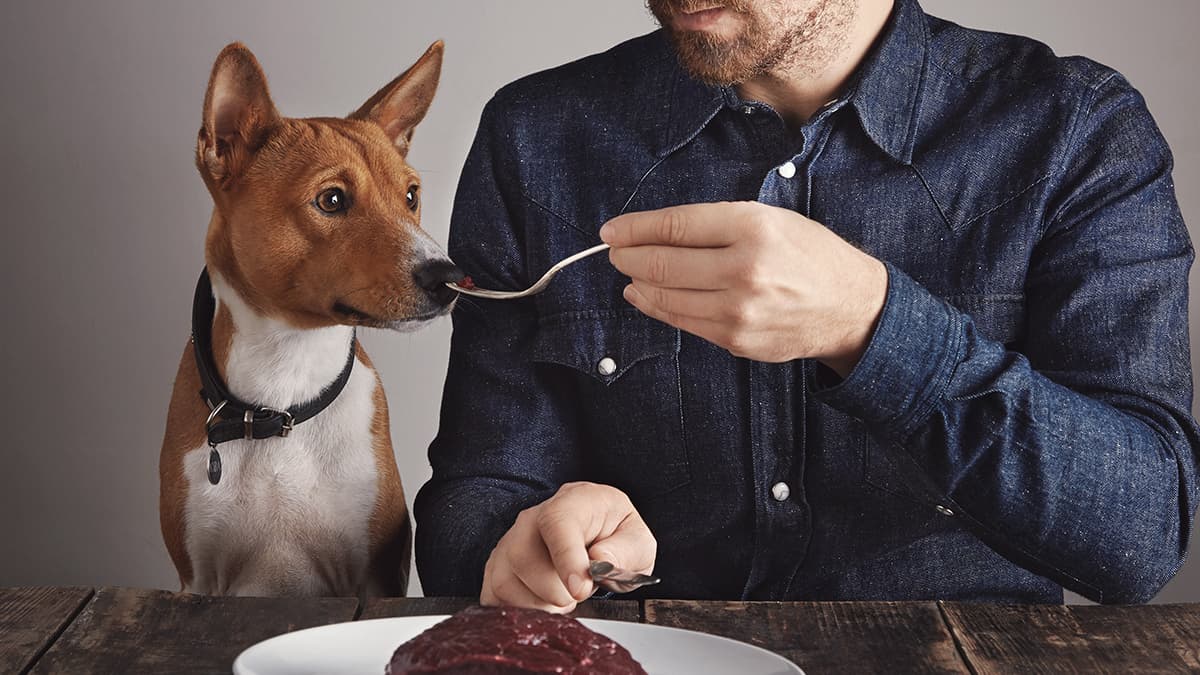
(506, 437)
(1077, 458)
(499, 519)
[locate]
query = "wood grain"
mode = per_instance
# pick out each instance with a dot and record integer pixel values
(378, 608)
(1020, 638)
(1077, 639)
(31, 619)
(126, 630)
(383, 608)
(843, 637)
(119, 630)
(1148, 638)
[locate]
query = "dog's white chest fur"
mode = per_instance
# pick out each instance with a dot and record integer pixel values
(290, 516)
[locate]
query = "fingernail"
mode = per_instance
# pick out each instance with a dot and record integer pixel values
(606, 232)
(575, 586)
(630, 294)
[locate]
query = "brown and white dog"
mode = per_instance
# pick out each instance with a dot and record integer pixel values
(277, 474)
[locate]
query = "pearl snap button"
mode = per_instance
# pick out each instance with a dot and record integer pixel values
(943, 510)
(780, 491)
(606, 366)
(748, 110)
(787, 169)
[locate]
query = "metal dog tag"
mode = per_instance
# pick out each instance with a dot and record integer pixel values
(214, 465)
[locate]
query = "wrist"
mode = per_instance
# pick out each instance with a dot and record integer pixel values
(865, 309)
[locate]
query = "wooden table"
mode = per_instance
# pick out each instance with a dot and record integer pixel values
(125, 630)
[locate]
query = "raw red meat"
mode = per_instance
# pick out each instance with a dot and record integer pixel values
(504, 640)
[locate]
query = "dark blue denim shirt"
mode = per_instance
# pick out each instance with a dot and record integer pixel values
(1019, 423)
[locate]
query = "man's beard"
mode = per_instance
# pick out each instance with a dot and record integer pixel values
(726, 62)
(755, 51)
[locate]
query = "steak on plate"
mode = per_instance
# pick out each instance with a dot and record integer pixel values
(504, 640)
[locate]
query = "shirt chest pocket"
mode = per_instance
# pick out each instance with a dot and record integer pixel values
(623, 369)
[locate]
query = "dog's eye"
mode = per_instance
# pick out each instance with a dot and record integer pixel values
(412, 198)
(332, 200)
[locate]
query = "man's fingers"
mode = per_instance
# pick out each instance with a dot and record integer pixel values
(709, 329)
(565, 537)
(520, 570)
(689, 225)
(526, 552)
(506, 588)
(542, 561)
(631, 548)
(705, 305)
(538, 574)
(724, 332)
(694, 268)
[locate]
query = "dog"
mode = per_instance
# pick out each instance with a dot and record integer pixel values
(277, 475)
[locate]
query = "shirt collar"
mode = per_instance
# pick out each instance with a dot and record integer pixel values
(692, 104)
(886, 96)
(891, 79)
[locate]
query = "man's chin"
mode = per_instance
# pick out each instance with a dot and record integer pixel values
(710, 59)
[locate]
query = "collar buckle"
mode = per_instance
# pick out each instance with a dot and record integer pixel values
(288, 420)
(221, 424)
(212, 415)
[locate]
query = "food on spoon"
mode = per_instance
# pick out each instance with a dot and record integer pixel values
(506, 640)
(466, 283)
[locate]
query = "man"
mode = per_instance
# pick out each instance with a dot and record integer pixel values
(895, 310)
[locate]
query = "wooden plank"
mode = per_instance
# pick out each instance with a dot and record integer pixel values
(615, 610)
(378, 608)
(1061, 639)
(1019, 638)
(1145, 638)
(126, 630)
(384, 608)
(842, 637)
(31, 619)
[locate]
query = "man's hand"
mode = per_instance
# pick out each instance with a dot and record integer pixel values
(542, 561)
(762, 282)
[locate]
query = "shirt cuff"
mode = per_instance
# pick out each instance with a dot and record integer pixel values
(907, 363)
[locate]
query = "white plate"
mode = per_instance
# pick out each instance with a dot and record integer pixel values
(365, 647)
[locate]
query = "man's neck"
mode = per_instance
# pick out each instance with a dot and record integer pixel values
(803, 85)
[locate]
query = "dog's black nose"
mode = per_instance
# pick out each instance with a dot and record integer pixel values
(433, 277)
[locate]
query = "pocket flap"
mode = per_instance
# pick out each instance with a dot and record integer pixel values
(605, 344)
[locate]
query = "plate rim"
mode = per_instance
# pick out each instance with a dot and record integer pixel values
(589, 622)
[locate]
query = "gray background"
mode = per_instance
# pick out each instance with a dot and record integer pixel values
(104, 214)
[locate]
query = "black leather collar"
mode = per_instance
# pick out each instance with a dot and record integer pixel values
(231, 418)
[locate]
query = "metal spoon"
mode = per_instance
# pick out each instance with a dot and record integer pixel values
(536, 288)
(618, 580)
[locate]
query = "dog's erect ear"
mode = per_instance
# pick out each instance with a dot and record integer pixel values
(238, 113)
(403, 102)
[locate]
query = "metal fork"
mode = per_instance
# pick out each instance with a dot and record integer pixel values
(616, 579)
(537, 287)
